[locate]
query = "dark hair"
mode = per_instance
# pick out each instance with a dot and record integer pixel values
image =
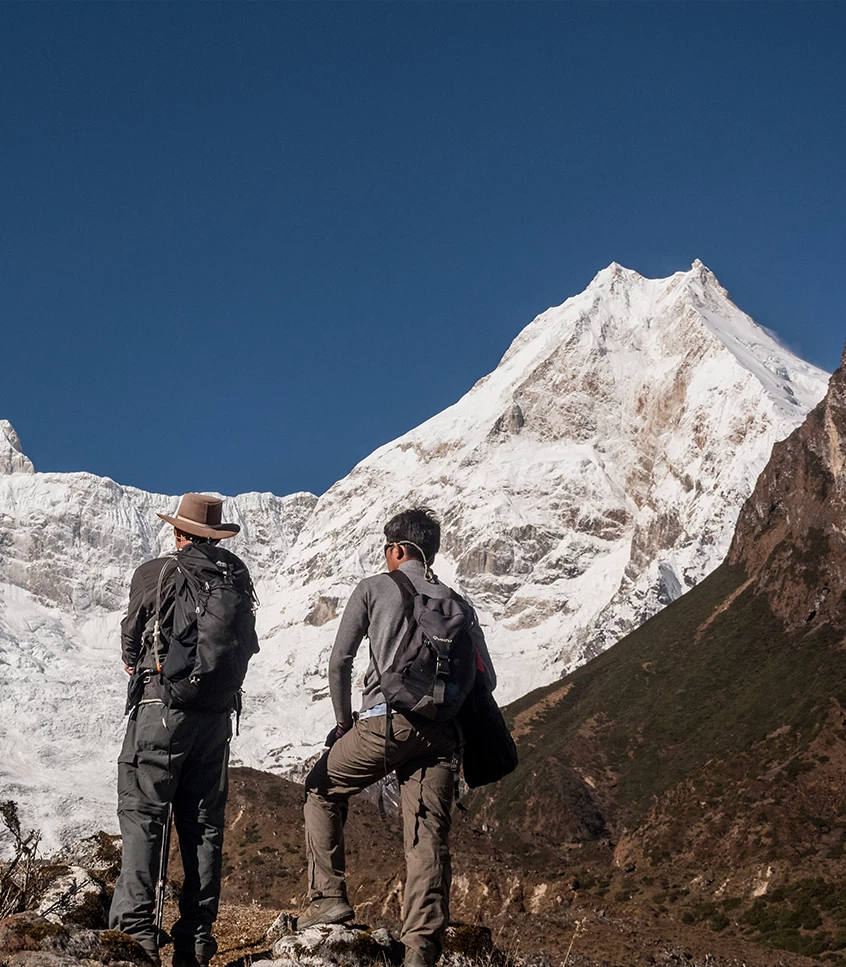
(194, 538)
(417, 526)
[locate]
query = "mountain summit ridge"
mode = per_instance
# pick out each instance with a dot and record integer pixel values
(591, 478)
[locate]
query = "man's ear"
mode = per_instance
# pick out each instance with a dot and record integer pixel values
(400, 552)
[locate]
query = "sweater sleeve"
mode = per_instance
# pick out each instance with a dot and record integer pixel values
(132, 626)
(354, 626)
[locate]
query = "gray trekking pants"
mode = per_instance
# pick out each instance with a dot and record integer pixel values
(425, 759)
(171, 755)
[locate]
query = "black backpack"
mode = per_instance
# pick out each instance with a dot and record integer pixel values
(489, 750)
(214, 629)
(435, 664)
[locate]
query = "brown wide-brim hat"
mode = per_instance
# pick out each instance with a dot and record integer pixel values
(199, 514)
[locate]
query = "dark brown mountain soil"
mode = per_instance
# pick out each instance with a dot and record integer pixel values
(535, 909)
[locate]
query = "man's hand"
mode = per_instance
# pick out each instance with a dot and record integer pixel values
(129, 669)
(336, 734)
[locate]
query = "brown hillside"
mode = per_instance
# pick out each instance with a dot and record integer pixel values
(707, 749)
(533, 912)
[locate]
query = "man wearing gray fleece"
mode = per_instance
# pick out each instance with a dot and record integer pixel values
(423, 753)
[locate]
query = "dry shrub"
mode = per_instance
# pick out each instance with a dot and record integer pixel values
(21, 879)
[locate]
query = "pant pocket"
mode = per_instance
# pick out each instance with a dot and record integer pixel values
(127, 779)
(310, 865)
(152, 728)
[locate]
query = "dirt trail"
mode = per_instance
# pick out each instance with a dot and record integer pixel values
(729, 601)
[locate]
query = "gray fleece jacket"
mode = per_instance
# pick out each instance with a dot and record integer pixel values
(375, 609)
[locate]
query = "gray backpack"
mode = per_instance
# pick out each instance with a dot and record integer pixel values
(435, 664)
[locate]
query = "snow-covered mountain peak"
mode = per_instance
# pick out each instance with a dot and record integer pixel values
(12, 458)
(611, 274)
(633, 329)
(700, 277)
(621, 280)
(616, 274)
(590, 479)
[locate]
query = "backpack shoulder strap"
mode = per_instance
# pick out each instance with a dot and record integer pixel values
(407, 589)
(157, 627)
(409, 593)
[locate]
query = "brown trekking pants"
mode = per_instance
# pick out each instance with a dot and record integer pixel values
(425, 759)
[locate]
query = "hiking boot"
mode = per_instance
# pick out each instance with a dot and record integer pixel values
(153, 954)
(415, 959)
(331, 909)
(183, 958)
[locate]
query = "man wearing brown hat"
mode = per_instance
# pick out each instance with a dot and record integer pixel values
(176, 749)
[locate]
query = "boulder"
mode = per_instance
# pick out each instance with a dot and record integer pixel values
(76, 897)
(283, 925)
(99, 853)
(336, 944)
(30, 940)
(342, 945)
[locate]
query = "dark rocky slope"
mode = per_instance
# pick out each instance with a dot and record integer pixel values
(791, 537)
(535, 901)
(706, 750)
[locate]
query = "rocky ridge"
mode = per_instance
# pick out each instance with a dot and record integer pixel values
(12, 458)
(790, 538)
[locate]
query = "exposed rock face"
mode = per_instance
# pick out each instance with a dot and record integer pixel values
(790, 535)
(12, 459)
(75, 897)
(336, 944)
(588, 481)
(356, 946)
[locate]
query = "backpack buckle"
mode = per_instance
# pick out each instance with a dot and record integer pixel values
(442, 667)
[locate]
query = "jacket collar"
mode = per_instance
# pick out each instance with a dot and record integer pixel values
(415, 568)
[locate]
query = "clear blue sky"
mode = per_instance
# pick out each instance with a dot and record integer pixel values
(243, 244)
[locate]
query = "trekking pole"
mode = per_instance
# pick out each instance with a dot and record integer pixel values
(160, 886)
